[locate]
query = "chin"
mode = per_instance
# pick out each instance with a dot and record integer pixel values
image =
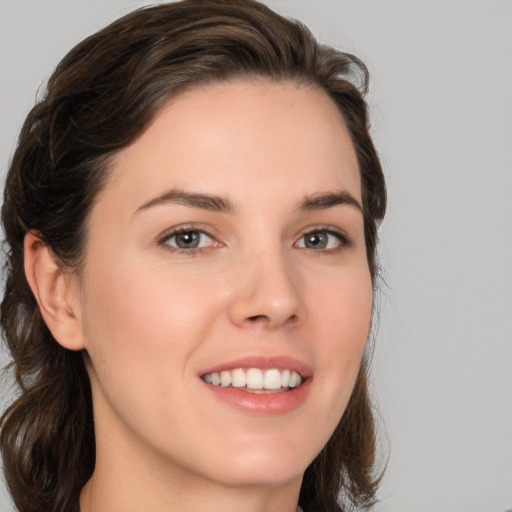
(262, 474)
(272, 463)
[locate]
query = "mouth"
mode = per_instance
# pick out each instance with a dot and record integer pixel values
(256, 380)
(260, 385)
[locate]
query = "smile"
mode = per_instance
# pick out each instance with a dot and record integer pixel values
(260, 384)
(255, 380)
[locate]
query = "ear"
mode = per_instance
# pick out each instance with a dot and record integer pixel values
(56, 293)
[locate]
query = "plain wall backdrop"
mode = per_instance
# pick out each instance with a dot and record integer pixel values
(441, 104)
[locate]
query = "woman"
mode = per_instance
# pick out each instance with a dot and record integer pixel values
(191, 213)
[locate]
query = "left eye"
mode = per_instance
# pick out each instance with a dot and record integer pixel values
(190, 239)
(321, 240)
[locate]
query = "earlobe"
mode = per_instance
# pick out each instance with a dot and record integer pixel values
(54, 291)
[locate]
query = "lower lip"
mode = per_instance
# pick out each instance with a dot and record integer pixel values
(264, 403)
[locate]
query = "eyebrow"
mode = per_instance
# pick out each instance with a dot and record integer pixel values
(322, 201)
(214, 203)
(193, 199)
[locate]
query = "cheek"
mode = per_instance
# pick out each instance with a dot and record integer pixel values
(343, 317)
(145, 311)
(344, 307)
(143, 328)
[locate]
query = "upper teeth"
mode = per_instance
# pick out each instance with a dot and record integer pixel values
(254, 378)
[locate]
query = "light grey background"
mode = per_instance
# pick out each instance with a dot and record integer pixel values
(441, 102)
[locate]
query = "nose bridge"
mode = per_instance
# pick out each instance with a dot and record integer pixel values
(267, 289)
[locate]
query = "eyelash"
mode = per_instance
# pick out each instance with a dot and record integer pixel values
(342, 238)
(174, 232)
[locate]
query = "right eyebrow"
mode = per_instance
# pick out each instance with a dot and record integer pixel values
(209, 202)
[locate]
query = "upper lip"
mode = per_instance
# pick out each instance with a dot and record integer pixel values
(263, 362)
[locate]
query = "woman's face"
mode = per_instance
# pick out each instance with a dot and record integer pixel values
(228, 244)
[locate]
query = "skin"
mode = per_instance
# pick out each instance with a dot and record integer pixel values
(151, 318)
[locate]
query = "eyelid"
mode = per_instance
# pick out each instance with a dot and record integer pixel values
(184, 228)
(344, 240)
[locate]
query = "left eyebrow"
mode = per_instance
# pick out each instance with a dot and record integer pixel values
(322, 201)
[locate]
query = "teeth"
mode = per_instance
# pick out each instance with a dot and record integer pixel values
(272, 379)
(294, 380)
(285, 378)
(238, 379)
(225, 379)
(254, 379)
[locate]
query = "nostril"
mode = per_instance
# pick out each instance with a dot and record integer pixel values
(257, 318)
(265, 319)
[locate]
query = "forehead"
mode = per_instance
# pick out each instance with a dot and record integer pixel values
(241, 139)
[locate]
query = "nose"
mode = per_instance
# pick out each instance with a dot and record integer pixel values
(266, 293)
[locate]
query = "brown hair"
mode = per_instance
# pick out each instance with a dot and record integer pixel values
(100, 98)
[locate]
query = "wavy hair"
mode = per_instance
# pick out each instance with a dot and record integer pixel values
(100, 98)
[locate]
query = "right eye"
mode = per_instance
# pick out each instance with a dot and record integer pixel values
(187, 240)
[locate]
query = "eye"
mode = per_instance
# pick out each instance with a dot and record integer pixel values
(187, 239)
(323, 240)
